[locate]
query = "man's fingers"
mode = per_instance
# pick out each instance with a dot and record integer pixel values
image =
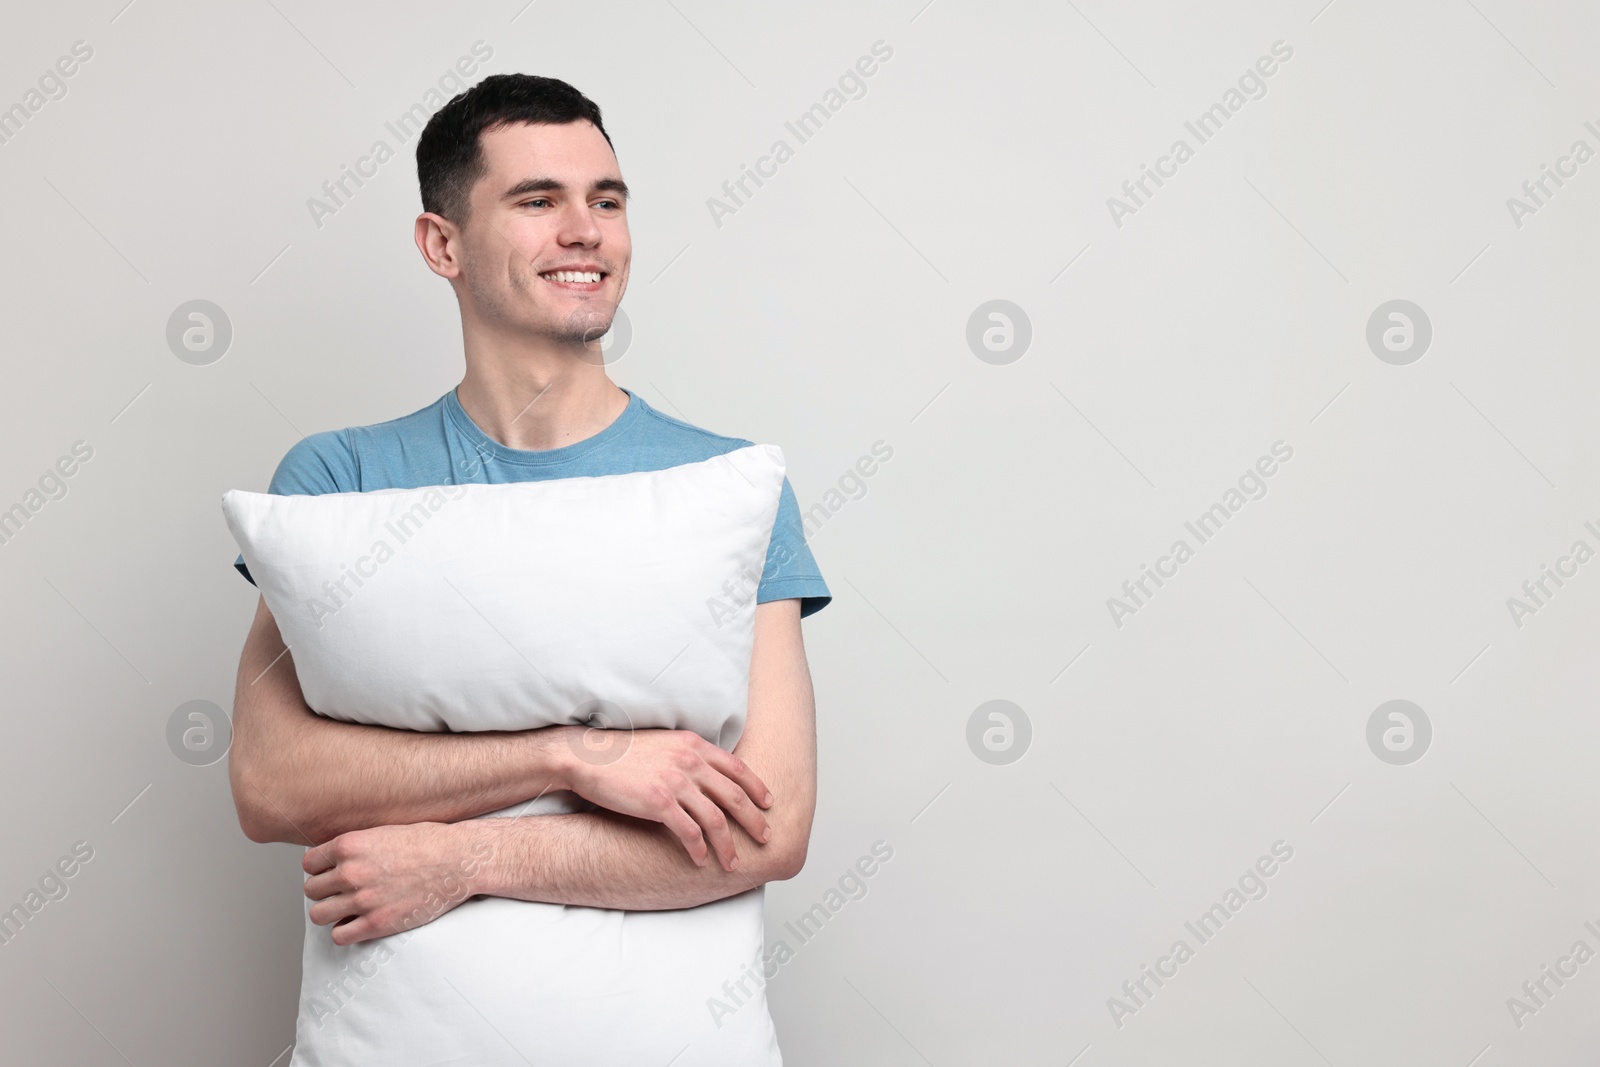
(715, 824)
(688, 832)
(349, 933)
(333, 909)
(739, 771)
(316, 860)
(326, 884)
(736, 802)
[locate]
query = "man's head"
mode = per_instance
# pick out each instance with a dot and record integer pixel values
(520, 184)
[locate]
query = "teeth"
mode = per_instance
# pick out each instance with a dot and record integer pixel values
(572, 276)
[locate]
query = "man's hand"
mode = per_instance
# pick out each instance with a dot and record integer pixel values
(673, 777)
(377, 882)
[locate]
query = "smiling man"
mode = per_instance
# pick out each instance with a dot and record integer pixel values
(525, 214)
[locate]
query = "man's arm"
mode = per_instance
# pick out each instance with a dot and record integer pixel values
(380, 881)
(305, 779)
(302, 778)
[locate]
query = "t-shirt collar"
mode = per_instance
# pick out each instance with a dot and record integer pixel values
(487, 447)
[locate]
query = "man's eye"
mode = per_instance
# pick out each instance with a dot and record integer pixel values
(607, 203)
(536, 200)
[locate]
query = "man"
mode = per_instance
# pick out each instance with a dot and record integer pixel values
(525, 213)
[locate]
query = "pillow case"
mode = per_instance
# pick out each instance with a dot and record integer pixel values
(620, 601)
(518, 605)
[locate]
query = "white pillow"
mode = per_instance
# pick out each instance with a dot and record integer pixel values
(623, 600)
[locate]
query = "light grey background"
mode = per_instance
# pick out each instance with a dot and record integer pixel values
(829, 312)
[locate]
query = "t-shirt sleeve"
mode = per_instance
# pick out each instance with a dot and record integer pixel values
(791, 571)
(320, 463)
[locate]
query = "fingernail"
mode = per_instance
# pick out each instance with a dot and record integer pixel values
(733, 863)
(768, 800)
(766, 835)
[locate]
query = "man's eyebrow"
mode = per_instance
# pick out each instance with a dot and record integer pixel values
(554, 185)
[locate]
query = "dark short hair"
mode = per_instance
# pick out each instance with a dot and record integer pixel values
(450, 153)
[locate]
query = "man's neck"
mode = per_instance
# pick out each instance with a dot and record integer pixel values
(540, 400)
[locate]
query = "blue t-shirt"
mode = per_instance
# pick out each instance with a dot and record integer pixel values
(440, 445)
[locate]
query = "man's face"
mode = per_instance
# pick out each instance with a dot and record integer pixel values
(548, 216)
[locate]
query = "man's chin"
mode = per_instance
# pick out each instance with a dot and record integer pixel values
(591, 328)
(575, 327)
(574, 335)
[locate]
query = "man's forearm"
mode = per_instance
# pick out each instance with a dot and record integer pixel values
(302, 778)
(348, 776)
(601, 859)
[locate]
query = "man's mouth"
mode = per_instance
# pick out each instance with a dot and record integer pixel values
(577, 280)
